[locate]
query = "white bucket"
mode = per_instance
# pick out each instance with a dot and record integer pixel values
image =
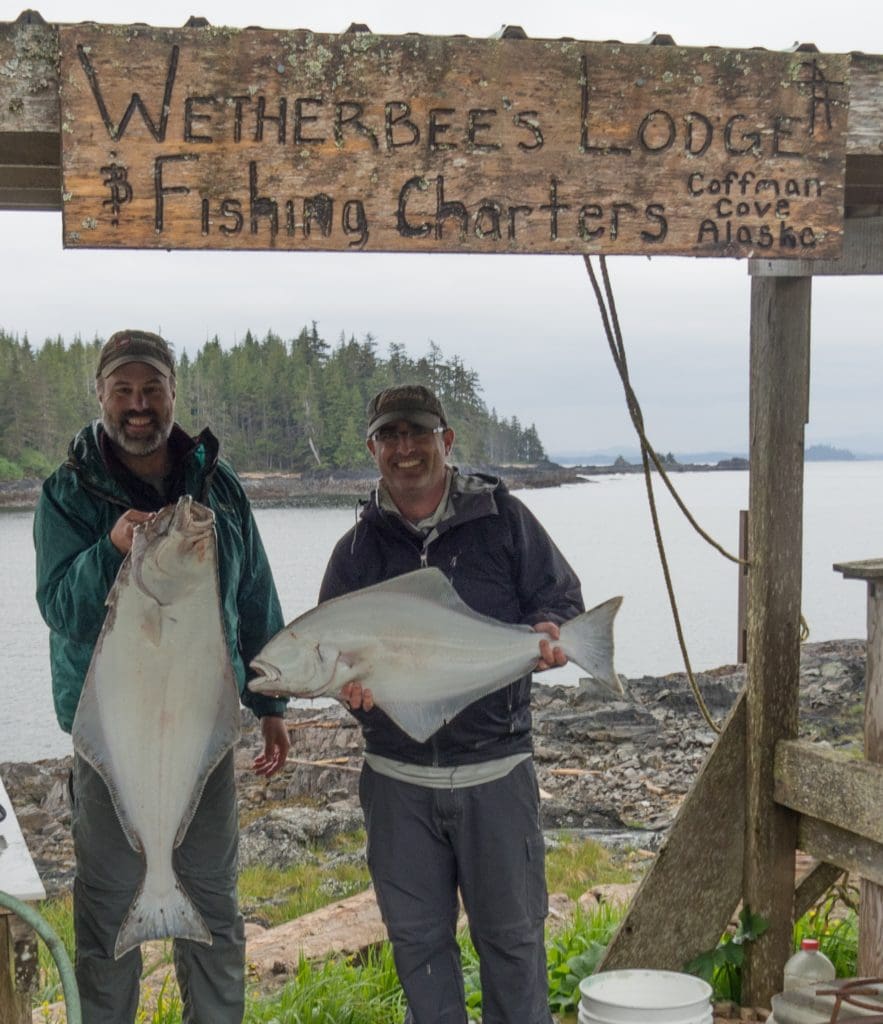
(644, 997)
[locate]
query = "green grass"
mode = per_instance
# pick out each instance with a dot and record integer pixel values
(836, 928)
(335, 992)
(349, 991)
(352, 991)
(278, 895)
(574, 865)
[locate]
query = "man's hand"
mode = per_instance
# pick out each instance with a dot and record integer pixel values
(124, 528)
(354, 697)
(276, 745)
(550, 657)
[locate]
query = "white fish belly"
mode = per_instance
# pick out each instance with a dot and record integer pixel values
(398, 642)
(157, 707)
(159, 710)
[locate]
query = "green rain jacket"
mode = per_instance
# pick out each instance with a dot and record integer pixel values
(77, 564)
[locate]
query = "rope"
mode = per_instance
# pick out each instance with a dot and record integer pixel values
(617, 348)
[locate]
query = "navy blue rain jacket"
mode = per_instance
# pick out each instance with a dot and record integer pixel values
(502, 563)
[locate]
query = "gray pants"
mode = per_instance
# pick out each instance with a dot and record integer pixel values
(423, 845)
(211, 978)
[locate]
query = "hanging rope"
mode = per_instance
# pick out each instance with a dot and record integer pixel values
(610, 320)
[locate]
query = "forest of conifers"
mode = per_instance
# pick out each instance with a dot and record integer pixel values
(276, 404)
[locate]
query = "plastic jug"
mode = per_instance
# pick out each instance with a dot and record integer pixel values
(808, 968)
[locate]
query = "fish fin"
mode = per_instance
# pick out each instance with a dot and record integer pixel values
(588, 640)
(429, 584)
(149, 918)
(420, 721)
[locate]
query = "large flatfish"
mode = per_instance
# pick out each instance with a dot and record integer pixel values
(421, 650)
(160, 706)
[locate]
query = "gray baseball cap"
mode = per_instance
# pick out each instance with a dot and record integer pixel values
(135, 347)
(412, 402)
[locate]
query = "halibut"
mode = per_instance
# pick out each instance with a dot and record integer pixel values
(160, 706)
(421, 650)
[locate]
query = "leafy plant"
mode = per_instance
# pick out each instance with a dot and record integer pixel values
(721, 967)
(574, 953)
(834, 922)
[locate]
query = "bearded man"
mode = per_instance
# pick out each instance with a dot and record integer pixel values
(122, 469)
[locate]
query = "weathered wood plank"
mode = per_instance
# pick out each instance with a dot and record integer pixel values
(865, 105)
(29, 103)
(863, 569)
(15, 992)
(870, 934)
(348, 927)
(780, 317)
(28, 79)
(831, 786)
(260, 140)
(838, 846)
(694, 884)
(862, 254)
(29, 87)
(814, 886)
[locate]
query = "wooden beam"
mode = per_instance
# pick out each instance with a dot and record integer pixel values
(838, 846)
(870, 932)
(780, 330)
(865, 105)
(814, 886)
(29, 104)
(862, 255)
(15, 998)
(694, 883)
(830, 786)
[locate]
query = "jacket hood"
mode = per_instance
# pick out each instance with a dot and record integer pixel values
(472, 495)
(85, 457)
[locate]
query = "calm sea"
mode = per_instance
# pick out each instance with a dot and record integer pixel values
(604, 529)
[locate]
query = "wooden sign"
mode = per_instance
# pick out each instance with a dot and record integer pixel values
(251, 139)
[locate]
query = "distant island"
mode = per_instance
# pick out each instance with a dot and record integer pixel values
(827, 453)
(628, 458)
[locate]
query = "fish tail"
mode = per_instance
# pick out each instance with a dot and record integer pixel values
(149, 917)
(588, 640)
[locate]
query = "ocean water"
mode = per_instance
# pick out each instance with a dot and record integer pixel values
(603, 527)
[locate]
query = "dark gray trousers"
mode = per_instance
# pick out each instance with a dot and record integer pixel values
(211, 978)
(425, 844)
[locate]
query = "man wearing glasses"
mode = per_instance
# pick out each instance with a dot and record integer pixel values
(460, 811)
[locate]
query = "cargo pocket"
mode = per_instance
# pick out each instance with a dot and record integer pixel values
(536, 894)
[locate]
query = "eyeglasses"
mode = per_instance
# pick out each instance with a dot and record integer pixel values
(419, 435)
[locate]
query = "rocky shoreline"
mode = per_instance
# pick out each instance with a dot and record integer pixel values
(615, 770)
(323, 486)
(342, 486)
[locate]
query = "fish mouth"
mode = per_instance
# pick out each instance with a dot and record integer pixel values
(267, 681)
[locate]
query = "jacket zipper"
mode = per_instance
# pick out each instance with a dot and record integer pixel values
(424, 563)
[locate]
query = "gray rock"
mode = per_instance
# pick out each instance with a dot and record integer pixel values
(603, 765)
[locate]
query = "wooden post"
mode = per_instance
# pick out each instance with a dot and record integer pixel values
(18, 945)
(742, 614)
(870, 926)
(780, 329)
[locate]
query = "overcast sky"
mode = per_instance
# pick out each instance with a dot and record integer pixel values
(528, 324)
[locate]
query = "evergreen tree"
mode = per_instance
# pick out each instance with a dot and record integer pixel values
(276, 405)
